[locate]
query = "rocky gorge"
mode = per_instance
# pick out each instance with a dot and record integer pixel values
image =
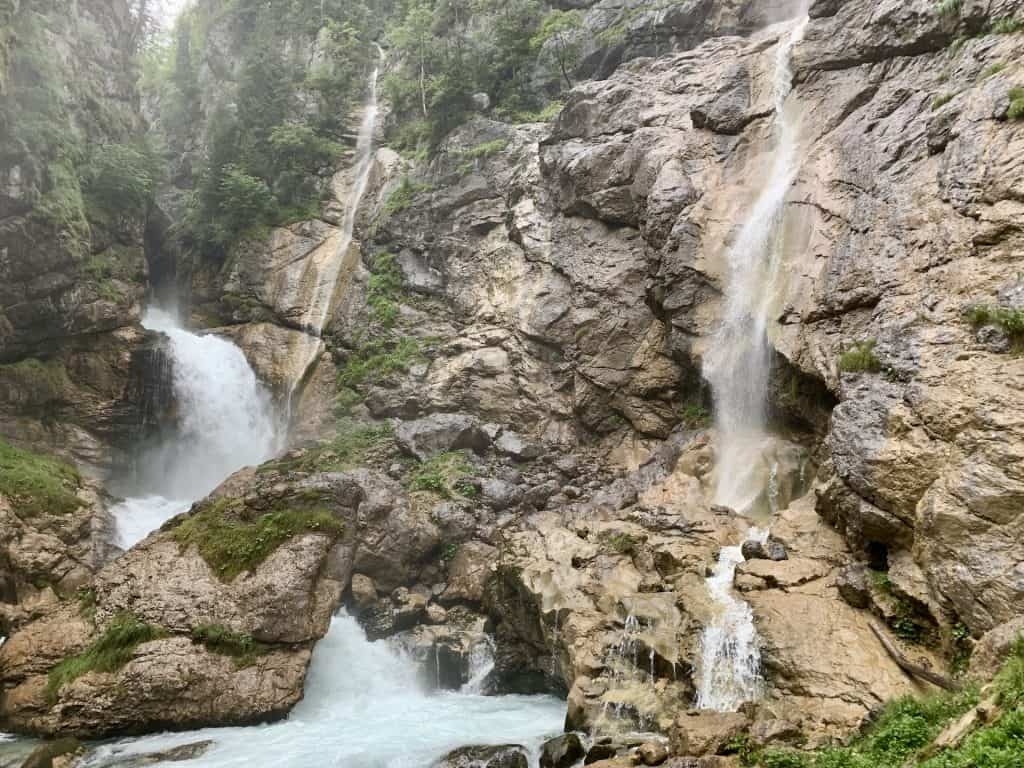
(501, 450)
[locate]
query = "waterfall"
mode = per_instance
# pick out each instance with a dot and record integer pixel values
(321, 276)
(481, 664)
(738, 359)
(730, 660)
(737, 366)
(364, 707)
(225, 422)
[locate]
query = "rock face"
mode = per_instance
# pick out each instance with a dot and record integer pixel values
(217, 640)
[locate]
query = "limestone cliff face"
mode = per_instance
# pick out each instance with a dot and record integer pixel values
(72, 265)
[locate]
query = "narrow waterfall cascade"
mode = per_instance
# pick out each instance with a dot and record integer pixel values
(481, 663)
(225, 422)
(364, 708)
(321, 278)
(738, 360)
(737, 366)
(730, 661)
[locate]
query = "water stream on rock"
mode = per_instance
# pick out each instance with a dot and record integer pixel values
(225, 422)
(321, 276)
(737, 366)
(364, 707)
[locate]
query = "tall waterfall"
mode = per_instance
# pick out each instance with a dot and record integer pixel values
(364, 707)
(225, 422)
(737, 367)
(738, 360)
(321, 277)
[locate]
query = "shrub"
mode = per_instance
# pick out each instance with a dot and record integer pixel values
(231, 545)
(244, 199)
(383, 289)
(37, 484)
(694, 415)
(621, 543)
(111, 651)
(1009, 321)
(487, 149)
(121, 178)
(941, 101)
(378, 359)
(949, 8)
(1016, 109)
(401, 197)
(860, 357)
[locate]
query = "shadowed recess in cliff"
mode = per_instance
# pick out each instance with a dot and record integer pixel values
(364, 707)
(225, 421)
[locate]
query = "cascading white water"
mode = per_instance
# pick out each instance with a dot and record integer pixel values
(225, 422)
(738, 360)
(737, 366)
(730, 662)
(322, 277)
(364, 708)
(481, 664)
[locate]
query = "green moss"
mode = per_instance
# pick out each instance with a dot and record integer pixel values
(36, 484)
(694, 415)
(860, 357)
(231, 545)
(240, 646)
(111, 651)
(442, 475)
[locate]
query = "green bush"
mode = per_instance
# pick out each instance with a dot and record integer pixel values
(1016, 109)
(994, 69)
(941, 101)
(383, 290)
(231, 545)
(1009, 321)
(401, 197)
(695, 415)
(949, 8)
(1007, 26)
(487, 149)
(860, 358)
(121, 178)
(111, 651)
(35, 484)
(378, 359)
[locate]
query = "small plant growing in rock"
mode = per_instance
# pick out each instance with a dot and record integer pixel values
(36, 484)
(1016, 109)
(860, 358)
(994, 69)
(941, 101)
(108, 653)
(240, 646)
(444, 475)
(1007, 26)
(949, 8)
(1009, 321)
(695, 416)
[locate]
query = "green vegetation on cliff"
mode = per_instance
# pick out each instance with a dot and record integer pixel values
(231, 545)
(240, 646)
(35, 484)
(904, 733)
(108, 653)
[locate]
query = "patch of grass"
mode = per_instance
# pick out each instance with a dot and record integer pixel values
(960, 637)
(1016, 109)
(860, 358)
(401, 197)
(42, 380)
(941, 101)
(485, 150)
(1007, 26)
(384, 289)
(621, 543)
(443, 475)
(377, 359)
(240, 646)
(111, 651)
(86, 597)
(694, 415)
(231, 545)
(994, 69)
(1009, 321)
(346, 450)
(949, 8)
(545, 115)
(37, 485)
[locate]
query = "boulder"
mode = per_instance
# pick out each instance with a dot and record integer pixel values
(769, 550)
(562, 751)
(853, 586)
(440, 432)
(469, 571)
(364, 592)
(515, 445)
(504, 756)
(698, 733)
(652, 753)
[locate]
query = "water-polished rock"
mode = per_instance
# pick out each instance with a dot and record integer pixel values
(504, 756)
(561, 751)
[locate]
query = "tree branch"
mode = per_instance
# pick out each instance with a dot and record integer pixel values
(915, 670)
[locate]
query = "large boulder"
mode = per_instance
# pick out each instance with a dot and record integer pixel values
(505, 756)
(441, 432)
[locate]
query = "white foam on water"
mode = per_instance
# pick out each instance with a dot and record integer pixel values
(364, 707)
(138, 516)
